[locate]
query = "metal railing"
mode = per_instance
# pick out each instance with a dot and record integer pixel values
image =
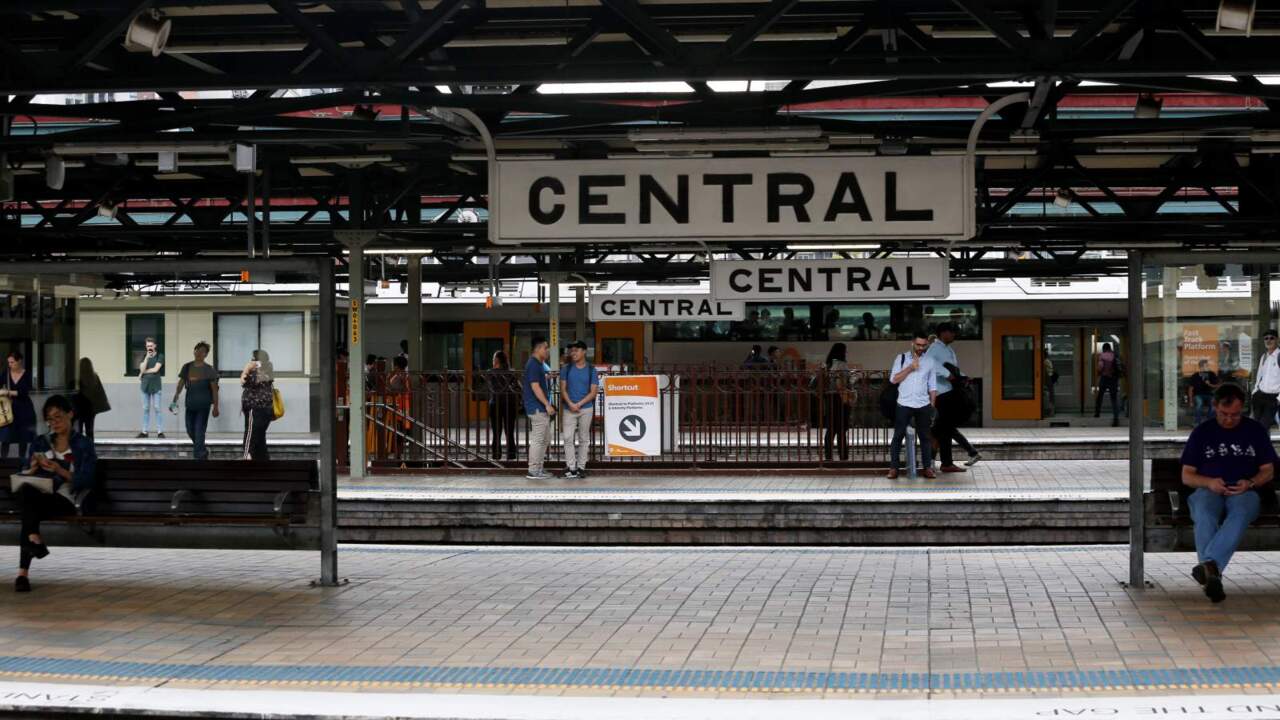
(711, 417)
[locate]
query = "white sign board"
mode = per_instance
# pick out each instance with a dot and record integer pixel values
(632, 417)
(665, 307)
(823, 197)
(830, 279)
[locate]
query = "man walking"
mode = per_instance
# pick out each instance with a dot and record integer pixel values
(1226, 458)
(1108, 369)
(200, 380)
(953, 406)
(1266, 384)
(579, 384)
(537, 405)
(149, 377)
(917, 379)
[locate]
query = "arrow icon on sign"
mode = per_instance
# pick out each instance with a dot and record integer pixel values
(632, 428)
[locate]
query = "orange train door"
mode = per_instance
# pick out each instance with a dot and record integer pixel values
(620, 343)
(480, 340)
(1016, 362)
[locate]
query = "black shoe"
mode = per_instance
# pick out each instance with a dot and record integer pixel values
(160, 436)
(39, 551)
(569, 474)
(1198, 574)
(1213, 582)
(21, 584)
(142, 435)
(582, 474)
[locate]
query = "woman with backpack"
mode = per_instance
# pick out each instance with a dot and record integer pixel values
(836, 400)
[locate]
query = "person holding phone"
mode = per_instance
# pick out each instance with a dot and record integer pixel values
(151, 385)
(256, 383)
(1226, 459)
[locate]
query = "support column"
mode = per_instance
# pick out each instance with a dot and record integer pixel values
(553, 321)
(1265, 320)
(328, 422)
(355, 241)
(1137, 404)
(1171, 338)
(414, 336)
(580, 314)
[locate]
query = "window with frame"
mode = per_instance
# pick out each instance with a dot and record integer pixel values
(858, 322)
(137, 328)
(237, 335)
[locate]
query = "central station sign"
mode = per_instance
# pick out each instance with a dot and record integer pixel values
(716, 198)
(665, 307)
(897, 278)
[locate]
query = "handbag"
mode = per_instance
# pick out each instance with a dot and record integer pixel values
(6, 404)
(277, 404)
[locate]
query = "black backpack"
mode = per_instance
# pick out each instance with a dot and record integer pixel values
(889, 396)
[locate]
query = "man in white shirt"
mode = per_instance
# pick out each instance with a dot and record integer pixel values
(1266, 384)
(917, 379)
(953, 407)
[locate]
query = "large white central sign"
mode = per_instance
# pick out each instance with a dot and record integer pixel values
(830, 279)
(782, 198)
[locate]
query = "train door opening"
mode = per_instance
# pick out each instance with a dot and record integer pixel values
(480, 340)
(1073, 348)
(1016, 364)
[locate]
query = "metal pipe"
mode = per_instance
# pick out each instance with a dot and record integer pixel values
(266, 211)
(249, 213)
(491, 154)
(1137, 405)
(328, 428)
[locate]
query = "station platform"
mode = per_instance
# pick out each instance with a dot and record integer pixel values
(532, 632)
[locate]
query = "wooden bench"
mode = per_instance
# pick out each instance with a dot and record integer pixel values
(1168, 514)
(226, 504)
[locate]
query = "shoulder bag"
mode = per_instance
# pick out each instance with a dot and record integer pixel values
(6, 403)
(277, 404)
(889, 395)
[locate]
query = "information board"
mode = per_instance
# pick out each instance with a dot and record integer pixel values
(632, 417)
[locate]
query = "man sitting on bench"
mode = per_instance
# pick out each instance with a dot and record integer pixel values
(1226, 458)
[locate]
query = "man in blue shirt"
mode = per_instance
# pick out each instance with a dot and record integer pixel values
(1226, 458)
(578, 386)
(537, 405)
(953, 406)
(917, 379)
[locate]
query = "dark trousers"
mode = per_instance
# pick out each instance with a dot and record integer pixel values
(502, 421)
(85, 422)
(255, 433)
(22, 450)
(1263, 406)
(1111, 385)
(921, 417)
(837, 422)
(945, 428)
(36, 506)
(197, 426)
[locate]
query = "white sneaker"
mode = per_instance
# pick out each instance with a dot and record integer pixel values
(973, 459)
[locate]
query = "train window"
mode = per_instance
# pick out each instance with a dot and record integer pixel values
(1017, 367)
(137, 328)
(237, 335)
(963, 315)
(858, 322)
(773, 322)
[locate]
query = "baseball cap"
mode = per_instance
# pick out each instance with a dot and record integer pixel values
(578, 344)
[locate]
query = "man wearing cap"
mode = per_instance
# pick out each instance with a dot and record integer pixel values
(1266, 383)
(578, 386)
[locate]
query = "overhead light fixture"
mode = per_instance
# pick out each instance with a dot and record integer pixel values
(340, 159)
(480, 157)
(149, 32)
(366, 113)
(84, 148)
(460, 168)
(55, 172)
(394, 251)
(830, 247)
(1063, 198)
(1236, 15)
(1144, 149)
(245, 158)
(649, 155)
(167, 161)
(741, 145)
(801, 132)
(1147, 107)
(822, 153)
(107, 209)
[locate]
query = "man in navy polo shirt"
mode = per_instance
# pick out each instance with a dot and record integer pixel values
(578, 386)
(538, 406)
(1226, 458)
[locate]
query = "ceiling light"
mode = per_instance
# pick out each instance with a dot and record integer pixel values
(833, 247)
(1144, 149)
(167, 161)
(802, 132)
(650, 155)
(55, 172)
(340, 159)
(394, 251)
(821, 153)
(1236, 15)
(83, 148)
(1062, 198)
(107, 209)
(1147, 107)
(460, 168)
(149, 32)
(743, 145)
(476, 157)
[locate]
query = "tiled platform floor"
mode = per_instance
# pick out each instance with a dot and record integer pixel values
(1091, 479)
(627, 622)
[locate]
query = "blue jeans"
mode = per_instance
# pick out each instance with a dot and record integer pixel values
(151, 409)
(1203, 409)
(923, 418)
(197, 424)
(1221, 523)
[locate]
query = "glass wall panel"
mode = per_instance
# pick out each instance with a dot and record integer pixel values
(1018, 361)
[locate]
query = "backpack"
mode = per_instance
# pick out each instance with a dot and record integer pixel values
(889, 397)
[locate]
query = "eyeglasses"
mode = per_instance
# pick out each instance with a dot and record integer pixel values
(920, 346)
(1269, 338)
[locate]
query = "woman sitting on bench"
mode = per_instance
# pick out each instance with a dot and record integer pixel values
(69, 459)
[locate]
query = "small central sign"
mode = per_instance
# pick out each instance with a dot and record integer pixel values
(635, 308)
(789, 280)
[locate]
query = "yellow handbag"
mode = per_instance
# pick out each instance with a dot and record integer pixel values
(277, 404)
(6, 405)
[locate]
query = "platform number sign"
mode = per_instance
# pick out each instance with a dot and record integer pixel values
(632, 416)
(355, 321)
